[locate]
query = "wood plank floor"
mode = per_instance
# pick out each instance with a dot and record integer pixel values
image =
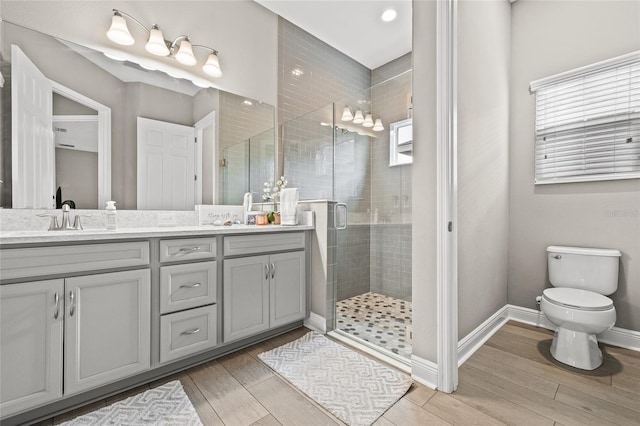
(511, 380)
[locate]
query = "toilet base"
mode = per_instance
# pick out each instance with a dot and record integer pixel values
(579, 350)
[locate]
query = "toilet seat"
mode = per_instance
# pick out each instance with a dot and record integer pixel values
(577, 299)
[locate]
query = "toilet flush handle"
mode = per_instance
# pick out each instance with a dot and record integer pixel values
(557, 256)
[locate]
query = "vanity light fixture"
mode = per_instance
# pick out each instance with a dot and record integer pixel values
(181, 48)
(378, 127)
(358, 118)
(368, 121)
(347, 114)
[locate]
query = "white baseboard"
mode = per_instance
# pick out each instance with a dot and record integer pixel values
(316, 322)
(424, 371)
(474, 340)
(628, 339)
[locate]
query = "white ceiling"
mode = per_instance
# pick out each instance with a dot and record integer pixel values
(353, 27)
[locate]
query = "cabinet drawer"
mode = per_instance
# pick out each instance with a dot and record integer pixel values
(187, 249)
(187, 286)
(187, 332)
(40, 261)
(250, 244)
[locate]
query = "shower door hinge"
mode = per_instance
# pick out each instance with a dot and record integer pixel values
(450, 226)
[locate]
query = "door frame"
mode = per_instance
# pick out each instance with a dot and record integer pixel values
(104, 138)
(447, 195)
(208, 120)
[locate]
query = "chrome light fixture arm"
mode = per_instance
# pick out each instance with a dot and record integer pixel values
(118, 12)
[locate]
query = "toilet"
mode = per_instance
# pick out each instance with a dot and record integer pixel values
(577, 304)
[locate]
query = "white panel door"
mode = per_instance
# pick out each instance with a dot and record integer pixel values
(32, 145)
(107, 328)
(166, 165)
(31, 318)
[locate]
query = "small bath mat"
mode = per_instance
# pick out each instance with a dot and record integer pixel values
(356, 389)
(165, 405)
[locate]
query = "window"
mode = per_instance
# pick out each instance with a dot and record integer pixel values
(401, 142)
(588, 123)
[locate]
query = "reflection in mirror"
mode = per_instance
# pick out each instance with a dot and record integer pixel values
(153, 165)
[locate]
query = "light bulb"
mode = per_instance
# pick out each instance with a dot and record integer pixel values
(212, 66)
(347, 114)
(185, 54)
(358, 118)
(156, 44)
(119, 32)
(368, 121)
(378, 127)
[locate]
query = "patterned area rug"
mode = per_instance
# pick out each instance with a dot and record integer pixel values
(356, 389)
(164, 405)
(382, 320)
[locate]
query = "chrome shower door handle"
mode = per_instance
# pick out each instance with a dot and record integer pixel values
(335, 216)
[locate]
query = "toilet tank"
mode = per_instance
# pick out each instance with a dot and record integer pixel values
(584, 268)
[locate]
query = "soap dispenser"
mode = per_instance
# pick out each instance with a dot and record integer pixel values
(247, 205)
(111, 215)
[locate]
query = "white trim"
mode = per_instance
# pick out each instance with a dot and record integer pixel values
(424, 372)
(588, 178)
(447, 280)
(628, 339)
(104, 138)
(621, 337)
(208, 120)
(598, 66)
(372, 350)
(316, 322)
(478, 337)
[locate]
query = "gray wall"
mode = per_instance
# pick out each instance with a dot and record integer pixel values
(483, 159)
(244, 32)
(549, 38)
(424, 195)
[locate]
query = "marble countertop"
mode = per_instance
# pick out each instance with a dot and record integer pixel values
(89, 235)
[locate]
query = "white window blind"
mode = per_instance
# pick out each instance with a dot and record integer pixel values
(588, 123)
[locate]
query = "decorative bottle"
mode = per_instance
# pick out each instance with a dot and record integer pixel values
(112, 218)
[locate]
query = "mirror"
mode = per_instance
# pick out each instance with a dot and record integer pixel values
(119, 131)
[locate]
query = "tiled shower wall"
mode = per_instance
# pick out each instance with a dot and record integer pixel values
(313, 75)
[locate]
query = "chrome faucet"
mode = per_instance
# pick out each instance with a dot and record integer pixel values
(66, 223)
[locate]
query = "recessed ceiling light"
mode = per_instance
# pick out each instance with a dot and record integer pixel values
(247, 102)
(389, 15)
(297, 72)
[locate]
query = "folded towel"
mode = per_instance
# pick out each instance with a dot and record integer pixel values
(288, 205)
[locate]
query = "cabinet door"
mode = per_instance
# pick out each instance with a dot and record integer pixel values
(287, 288)
(246, 296)
(30, 344)
(107, 328)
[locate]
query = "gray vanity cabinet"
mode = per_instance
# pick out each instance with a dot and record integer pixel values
(246, 296)
(31, 328)
(107, 328)
(263, 291)
(100, 322)
(287, 294)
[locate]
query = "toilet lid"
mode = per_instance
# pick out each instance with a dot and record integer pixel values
(576, 298)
